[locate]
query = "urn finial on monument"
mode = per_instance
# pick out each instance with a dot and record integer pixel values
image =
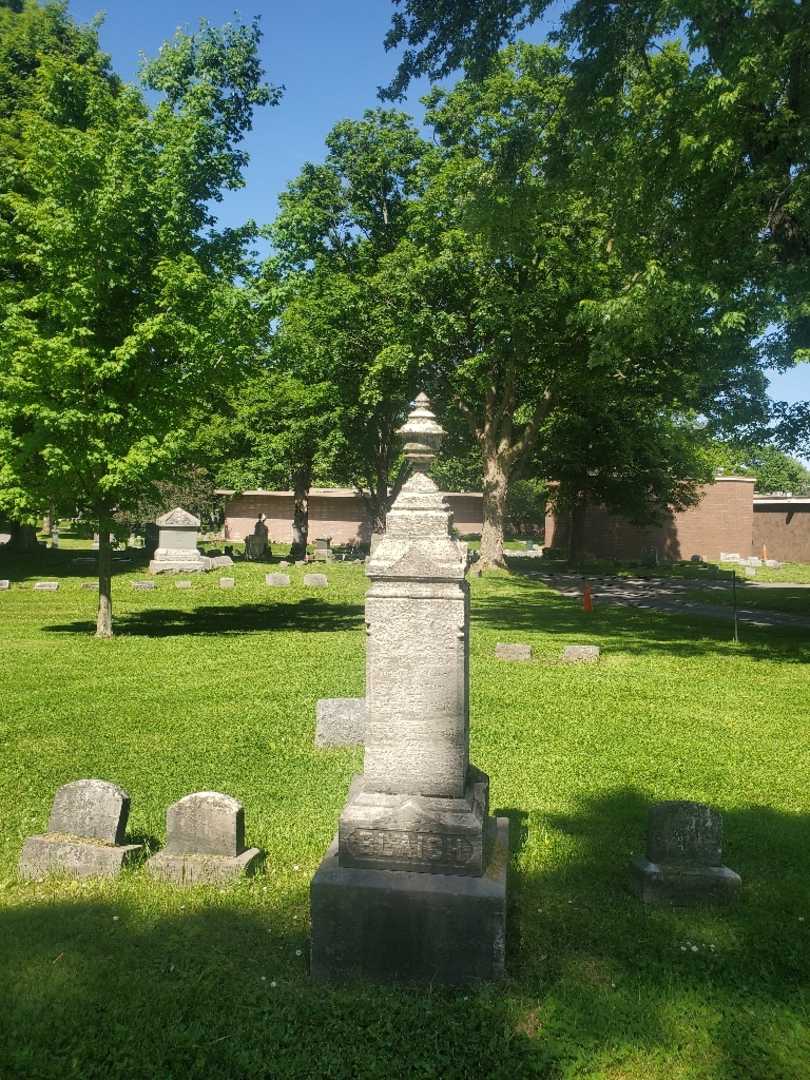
(423, 435)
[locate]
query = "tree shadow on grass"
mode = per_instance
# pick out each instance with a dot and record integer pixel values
(629, 629)
(597, 985)
(308, 615)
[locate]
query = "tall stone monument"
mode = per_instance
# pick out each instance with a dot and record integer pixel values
(414, 886)
(177, 544)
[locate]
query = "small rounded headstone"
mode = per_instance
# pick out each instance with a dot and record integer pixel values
(316, 581)
(205, 823)
(507, 651)
(93, 808)
(573, 654)
(227, 582)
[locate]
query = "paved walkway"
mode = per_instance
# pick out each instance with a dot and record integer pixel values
(667, 594)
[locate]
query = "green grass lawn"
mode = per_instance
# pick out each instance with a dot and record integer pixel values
(210, 689)
(784, 599)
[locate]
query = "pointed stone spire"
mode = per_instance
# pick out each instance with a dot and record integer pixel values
(423, 435)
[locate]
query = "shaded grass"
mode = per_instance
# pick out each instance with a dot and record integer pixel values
(207, 689)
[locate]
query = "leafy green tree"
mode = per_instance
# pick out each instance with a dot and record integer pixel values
(722, 126)
(120, 307)
(275, 430)
(773, 469)
(340, 223)
(524, 301)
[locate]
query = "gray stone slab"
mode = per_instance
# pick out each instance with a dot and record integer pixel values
(227, 582)
(577, 654)
(221, 560)
(205, 823)
(5, 585)
(396, 926)
(513, 652)
(46, 586)
(203, 869)
(340, 721)
(773, 564)
(73, 857)
(683, 886)
(144, 586)
(277, 580)
(750, 571)
(94, 809)
(89, 585)
(182, 584)
(316, 581)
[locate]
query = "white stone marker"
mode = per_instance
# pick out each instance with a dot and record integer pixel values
(46, 586)
(177, 544)
(414, 888)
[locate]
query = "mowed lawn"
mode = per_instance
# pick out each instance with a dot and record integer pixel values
(210, 689)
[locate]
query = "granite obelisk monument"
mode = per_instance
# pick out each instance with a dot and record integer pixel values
(414, 886)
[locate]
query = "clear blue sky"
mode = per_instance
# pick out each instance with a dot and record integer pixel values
(329, 56)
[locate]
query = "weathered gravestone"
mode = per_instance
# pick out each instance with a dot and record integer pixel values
(182, 584)
(683, 863)
(85, 833)
(414, 886)
(506, 651)
(316, 581)
(221, 560)
(46, 586)
(89, 585)
(177, 544)
(580, 654)
(277, 579)
(227, 582)
(323, 549)
(144, 586)
(205, 842)
(4, 584)
(283, 562)
(340, 721)
(750, 571)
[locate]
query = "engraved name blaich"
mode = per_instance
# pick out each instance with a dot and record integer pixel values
(418, 846)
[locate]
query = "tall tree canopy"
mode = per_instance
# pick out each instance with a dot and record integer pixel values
(527, 300)
(727, 131)
(118, 302)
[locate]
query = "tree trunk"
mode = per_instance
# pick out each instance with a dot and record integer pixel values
(104, 618)
(300, 521)
(23, 538)
(47, 523)
(496, 489)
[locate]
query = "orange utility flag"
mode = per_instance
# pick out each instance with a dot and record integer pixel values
(764, 553)
(587, 599)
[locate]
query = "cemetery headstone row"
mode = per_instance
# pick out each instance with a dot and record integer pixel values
(205, 837)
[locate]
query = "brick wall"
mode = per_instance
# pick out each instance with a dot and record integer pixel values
(341, 515)
(784, 528)
(721, 521)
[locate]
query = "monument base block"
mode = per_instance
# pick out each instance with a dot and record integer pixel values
(393, 926)
(54, 854)
(203, 869)
(682, 886)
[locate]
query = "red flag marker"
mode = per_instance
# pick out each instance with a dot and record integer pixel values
(587, 599)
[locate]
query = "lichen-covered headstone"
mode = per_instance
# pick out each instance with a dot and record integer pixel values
(509, 651)
(579, 654)
(46, 586)
(277, 580)
(205, 842)
(85, 833)
(683, 863)
(5, 584)
(316, 581)
(227, 582)
(144, 586)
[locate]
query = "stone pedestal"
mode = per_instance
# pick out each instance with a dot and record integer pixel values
(177, 545)
(683, 863)
(414, 887)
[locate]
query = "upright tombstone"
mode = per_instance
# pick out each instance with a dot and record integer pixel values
(177, 544)
(205, 842)
(413, 889)
(323, 549)
(683, 863)
(85, 834)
